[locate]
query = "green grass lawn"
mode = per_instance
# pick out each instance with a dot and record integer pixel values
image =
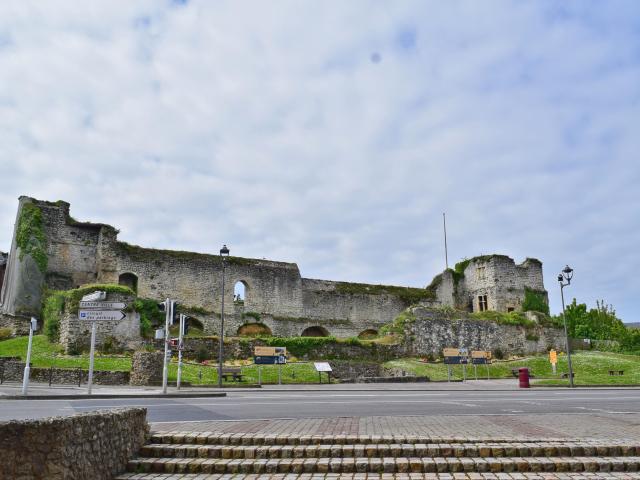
(590, 368)
(45, 354)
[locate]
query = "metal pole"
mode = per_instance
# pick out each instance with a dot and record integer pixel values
(91, 355)
(475, 370)
(566, 335)
(446, 254)
(487, 371)
(279, 374)
(221, 341)
(464, 372)
(27, 368)
(448, 373)
(165, 366)
(180, 335)
(259, 374)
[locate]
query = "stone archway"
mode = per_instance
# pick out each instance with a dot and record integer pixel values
(130, 280)
(315, 331)
(368, 334)
(254, 330)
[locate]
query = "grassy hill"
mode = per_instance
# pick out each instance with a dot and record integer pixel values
(589, 367)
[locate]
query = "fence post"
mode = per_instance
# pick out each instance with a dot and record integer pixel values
(50, 375)
(79, 376)
(2, 373)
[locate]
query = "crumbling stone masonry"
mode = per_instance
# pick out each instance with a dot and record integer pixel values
(52, 250)
(89, 446)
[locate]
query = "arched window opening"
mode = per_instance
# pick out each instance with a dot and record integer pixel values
(254, 330)
(315, 332)
(129, 280)
(368, 334)
(240, 290)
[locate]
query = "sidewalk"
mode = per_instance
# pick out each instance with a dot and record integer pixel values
(527, 427)
(42, 390)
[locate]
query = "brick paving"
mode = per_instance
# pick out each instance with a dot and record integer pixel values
(489, 427)
(401, 476)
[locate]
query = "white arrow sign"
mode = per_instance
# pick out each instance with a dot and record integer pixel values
(103, 305)
(101, 315)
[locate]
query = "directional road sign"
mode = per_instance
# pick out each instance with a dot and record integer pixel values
(101, 315)
(103, 305)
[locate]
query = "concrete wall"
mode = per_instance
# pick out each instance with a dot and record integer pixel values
(90, 446)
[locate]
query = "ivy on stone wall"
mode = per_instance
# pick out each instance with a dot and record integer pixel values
(54, 303)
(534, 301)
(30, 237)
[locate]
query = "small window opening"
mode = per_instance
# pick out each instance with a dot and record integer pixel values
(481, 273)
(483, 304)
(239, 292)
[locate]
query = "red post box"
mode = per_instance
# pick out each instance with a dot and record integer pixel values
(523, 376)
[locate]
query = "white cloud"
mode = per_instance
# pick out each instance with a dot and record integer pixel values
(267, 126)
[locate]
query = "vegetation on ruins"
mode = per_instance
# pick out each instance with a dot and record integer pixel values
(54, 303)
(534, 301)
(30, 237)
(410, 295)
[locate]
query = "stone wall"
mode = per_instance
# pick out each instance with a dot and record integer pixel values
(431, 331)
(496, 276)
(90, 446)
(346, 369)
(146, 368)
(13, 371)
(75, 334)
(4, 257)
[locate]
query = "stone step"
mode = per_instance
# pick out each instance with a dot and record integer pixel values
(209, 438)
(377, 476)
(404, 465)
(484, 450)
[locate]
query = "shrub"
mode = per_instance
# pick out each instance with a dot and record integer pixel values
(498, 353)
(5, 333)
(52, 307)
(202, 354)
(532, 337)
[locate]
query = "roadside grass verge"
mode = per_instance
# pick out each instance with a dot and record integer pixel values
(590, 368)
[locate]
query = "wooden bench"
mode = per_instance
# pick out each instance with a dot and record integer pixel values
(235, 373)
(616, 372)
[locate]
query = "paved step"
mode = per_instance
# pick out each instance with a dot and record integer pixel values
(338, 465)
(384, 476)
(528, 449)
(210, 438)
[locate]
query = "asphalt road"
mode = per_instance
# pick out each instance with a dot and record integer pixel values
(314, 404)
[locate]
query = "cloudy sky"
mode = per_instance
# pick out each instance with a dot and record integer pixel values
(334, 134)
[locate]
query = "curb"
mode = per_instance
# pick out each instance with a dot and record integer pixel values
(101, 396)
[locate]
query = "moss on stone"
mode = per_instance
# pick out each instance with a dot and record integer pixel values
(30, 237)
(135, 251)
(534, 301)
(409, 295)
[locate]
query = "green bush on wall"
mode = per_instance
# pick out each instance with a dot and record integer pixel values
(534, 301)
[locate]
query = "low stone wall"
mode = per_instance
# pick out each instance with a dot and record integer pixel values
(241, 348)
(90, 446)
(13, 371)
(19, 325)
(345, 369)
(146, 368)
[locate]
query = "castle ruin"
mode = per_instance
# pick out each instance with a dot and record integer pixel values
(51, 250)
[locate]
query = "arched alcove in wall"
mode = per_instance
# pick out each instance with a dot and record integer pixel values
(254, 330)
(315, 332)
(368, 334)
(130, 280)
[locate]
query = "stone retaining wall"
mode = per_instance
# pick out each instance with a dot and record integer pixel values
(12, 371)
(90, 446)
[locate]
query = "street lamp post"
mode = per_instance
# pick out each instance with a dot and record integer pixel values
(564, 278)
(224, 253)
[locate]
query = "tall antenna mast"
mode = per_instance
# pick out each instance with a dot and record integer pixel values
(446, 254)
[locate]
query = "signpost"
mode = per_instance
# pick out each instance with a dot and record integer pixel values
(553, 358)
(480, 357)
(93, 310)
(33, 326)
(183, 319)
(323, 367)
(270, 356)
